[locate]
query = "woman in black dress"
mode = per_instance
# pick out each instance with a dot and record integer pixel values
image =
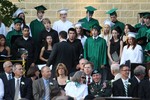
(46, 49)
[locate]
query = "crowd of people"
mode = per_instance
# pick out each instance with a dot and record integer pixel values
(87, 61)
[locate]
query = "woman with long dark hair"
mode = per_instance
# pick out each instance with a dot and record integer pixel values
(132, 51)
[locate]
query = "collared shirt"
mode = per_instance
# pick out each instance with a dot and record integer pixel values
(87, 79)
(45, 85)
(124, 81)
(7, 75)
(95, 37)
(19, 85)
(39, 19)
(137, 79)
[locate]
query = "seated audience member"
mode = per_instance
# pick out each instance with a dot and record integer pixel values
(80, 66)
(7, 74)
(57, 91)
(115, 71)
(19, 87)
(4, 50)
(99, 88)
(77, 87)
(124, 85)
(43, 86)
(16, 32)
(48, 31)
(1, 89)
(139, 73)
(132, 51)
(88, 68)
(33, 73)
(24, 48)
(144, 88)
(46, 49)
(61, 75)
(62, 98)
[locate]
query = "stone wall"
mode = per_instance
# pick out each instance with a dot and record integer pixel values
(127, 9)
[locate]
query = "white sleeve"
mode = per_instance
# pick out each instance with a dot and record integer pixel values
(1, 89)
(55, 26)
(85, 92)
(139, 54)
(123, 57)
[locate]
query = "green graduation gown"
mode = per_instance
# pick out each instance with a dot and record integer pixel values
(36, 27)
(142, 32)
(9, 36)
(95, 50)
(147, 58)
(88, 24)
(120, 24)
(138, 26)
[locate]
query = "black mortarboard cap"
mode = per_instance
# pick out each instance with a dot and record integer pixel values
(41, 7)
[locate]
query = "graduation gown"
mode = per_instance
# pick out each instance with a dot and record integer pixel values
(95, 50)
(88, 24)
(9, 36)
(147, 58)
(142, 32)
(36, 27)
(120, 24)
(134, 55)
(62, 26)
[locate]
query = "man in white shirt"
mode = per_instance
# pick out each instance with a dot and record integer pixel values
(63, 24)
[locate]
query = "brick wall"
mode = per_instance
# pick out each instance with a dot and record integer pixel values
(127, 12)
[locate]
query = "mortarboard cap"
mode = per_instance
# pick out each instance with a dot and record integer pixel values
(96, 72)
(142, 14)
(112, 11)
(41, 7)
(147, 15)
(132, 34)
(18, 11)
(78, 24)
(17, 20)
(97, 27)
(90, 9)
(108, 22)
(63, 11)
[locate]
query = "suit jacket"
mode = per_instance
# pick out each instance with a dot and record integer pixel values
(119, 90)
(5, 81)
(25, 89)
(136, 86)
(62, 52)
(144, 89)
(39, 88)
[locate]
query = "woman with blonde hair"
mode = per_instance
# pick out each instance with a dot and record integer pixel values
(61, 75)
(77, 87)
(106, 33)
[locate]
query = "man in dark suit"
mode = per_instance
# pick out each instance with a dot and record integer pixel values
(144, 88)
(62, 52)
(43, 86)
(123, 86)
(19, 87)
(7, 74)
(139, 73)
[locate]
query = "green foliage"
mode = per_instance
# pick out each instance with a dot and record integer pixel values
(7, 9)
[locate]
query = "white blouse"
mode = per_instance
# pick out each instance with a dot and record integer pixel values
(78, 93)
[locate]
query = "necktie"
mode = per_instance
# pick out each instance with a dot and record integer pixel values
(17, 90)
(89, 81)
(126, 87)
(47, 92)
(9, 76)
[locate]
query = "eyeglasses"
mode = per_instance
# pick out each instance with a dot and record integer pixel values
(83, 77)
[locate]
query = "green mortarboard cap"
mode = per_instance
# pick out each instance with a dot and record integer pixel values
(41, 7)
(143, 14)
(147, 15)
(112, 11)
(90, 9)
(17, 20)
(97, 27)
(96, 72)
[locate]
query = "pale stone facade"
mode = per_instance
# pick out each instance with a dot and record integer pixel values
(127, 9)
